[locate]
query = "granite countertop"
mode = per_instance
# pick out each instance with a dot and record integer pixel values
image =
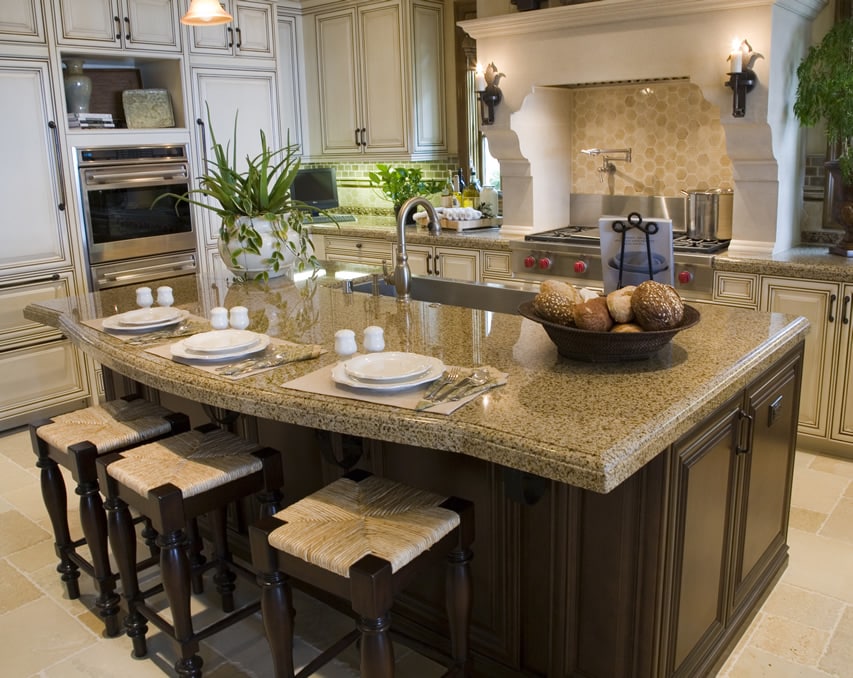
(586, 424)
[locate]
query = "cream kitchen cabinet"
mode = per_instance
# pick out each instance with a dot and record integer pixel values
(455, 263)
(21, 21)
(123, 24)
(380, 79)
(736, 289)
(250, 35)
(826, 411)
(371, 251)
(225, 92)
(289, 67)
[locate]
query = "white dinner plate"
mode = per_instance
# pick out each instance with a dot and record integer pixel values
(179, 350)
(221, 341)
(340, 376)
(148, 316)
(387, 367)
(114, 324)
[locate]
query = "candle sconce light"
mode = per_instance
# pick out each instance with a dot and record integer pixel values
(486, 83)
(742, 78)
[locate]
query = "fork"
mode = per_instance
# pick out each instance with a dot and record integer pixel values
(449, 377)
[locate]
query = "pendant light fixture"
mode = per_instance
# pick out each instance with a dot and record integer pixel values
(206, 13)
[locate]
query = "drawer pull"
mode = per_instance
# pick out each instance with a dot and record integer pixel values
(846, 307)
(429, 268)
(32, 281)
(832, 299)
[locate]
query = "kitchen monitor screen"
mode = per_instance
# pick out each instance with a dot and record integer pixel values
(316, 187)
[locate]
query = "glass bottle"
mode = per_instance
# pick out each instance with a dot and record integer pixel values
(471, 195)
(447, 193)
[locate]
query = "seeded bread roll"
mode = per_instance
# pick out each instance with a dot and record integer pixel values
(657, 306)
(555, 302)
(593, 315)
(626, 327)
(619, 304)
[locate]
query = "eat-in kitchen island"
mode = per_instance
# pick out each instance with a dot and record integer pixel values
(630, 516)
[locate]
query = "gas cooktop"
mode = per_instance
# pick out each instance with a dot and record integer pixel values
(589, 235)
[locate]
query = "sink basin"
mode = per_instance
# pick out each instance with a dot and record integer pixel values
(483, 296)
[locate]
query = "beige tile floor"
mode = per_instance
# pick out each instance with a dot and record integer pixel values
(804, 630)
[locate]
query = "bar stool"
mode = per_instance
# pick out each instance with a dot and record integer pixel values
(75, 440)
(360, 538)
(173, 482)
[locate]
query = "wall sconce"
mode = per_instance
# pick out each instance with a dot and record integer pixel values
(486, 84)
(742, 78)
(206, 13)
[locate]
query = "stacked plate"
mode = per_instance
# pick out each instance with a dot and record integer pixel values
(389, 371)
(144, 319)
(220, 345)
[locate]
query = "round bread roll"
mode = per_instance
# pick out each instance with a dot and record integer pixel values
(626, 327)
(555, 301)
(593, 315)
(619, 304)
(657, 306)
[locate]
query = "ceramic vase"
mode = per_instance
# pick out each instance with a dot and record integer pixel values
(78, 87)
(250, 265)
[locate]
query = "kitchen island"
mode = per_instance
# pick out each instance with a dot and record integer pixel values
(630, 516)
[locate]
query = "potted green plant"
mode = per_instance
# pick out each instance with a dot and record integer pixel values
(398, 184)
(825, 93)
(263, 232)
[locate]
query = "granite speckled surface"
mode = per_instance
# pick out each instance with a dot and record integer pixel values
(586, 424)
(813, 263)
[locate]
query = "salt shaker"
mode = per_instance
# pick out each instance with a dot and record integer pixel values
(374, 339)
(219, 318)
(345, 343)
(144, 299)
(164, 296)
(239, 317)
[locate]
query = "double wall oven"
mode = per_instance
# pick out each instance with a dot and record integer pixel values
(129, 240)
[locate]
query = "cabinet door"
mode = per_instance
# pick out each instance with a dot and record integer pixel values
(35, 228)
(383, 82)
(151, 24)
(340, 122)
(217, 39)
(88, 22)
(420, 259)
(16, 294)
(456, 263)
(842, 418)
(818, 302)
(252, 97)
(254, 30)
(22, 21)
(289, 91)
(703, 478)
(360, 250)
(765, 474)
(429, 100)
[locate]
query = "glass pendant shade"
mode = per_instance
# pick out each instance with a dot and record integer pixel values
(206, 13)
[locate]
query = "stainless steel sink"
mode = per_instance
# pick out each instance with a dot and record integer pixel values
(483, 296)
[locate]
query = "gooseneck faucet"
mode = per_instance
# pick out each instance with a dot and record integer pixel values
(402, 275)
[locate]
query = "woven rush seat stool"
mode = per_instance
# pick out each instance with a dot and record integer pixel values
(74, 441)
(361, 538)
(173, 482)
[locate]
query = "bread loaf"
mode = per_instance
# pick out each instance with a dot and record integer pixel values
(626, 327)
(619, 304)
(555, 302)
(657, 306)
(593, 315)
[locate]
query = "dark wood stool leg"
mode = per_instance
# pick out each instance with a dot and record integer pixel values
(93, 520)
(149, 535)
(196, 556)
(175, 571)
(459, 597)
(122, 537)
(56, 503)
(371, 595)
(377, 651)
(276, 598)
(224, 577)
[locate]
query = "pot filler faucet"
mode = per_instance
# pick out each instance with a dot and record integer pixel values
(401, 276)
(610, 154)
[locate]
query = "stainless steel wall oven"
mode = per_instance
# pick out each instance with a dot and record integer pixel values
(129, 240)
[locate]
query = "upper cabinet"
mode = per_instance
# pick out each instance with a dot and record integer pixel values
(380, 79)
(251, 34)
(21, 21)
(123, 24)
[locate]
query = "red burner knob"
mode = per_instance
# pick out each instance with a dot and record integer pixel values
(529, 262)
(685, 277)
(580, 267)
(545, 263)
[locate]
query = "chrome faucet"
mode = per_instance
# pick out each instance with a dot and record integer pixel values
(401, 276)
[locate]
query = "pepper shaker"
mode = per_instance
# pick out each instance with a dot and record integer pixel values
(239, 317)
(165, 296)
(345, 344)
(219, 318)
(144, 299)
(374, 339)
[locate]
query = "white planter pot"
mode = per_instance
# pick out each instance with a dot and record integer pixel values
(250, 265)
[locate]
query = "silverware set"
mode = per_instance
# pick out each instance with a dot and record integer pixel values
(453, 385)
(258, 362)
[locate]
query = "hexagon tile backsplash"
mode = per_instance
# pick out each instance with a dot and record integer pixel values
(675, 135)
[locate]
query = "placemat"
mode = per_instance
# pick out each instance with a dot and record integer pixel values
(191, 324)
(320, 381)
(289, 351)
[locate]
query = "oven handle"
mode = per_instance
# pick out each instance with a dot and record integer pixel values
(97, 177)
(114, 279)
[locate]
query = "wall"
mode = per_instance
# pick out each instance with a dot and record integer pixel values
(640, 40)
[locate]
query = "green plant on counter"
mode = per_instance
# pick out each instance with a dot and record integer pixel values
(260, 192)
(825, 91)
(399, 184)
